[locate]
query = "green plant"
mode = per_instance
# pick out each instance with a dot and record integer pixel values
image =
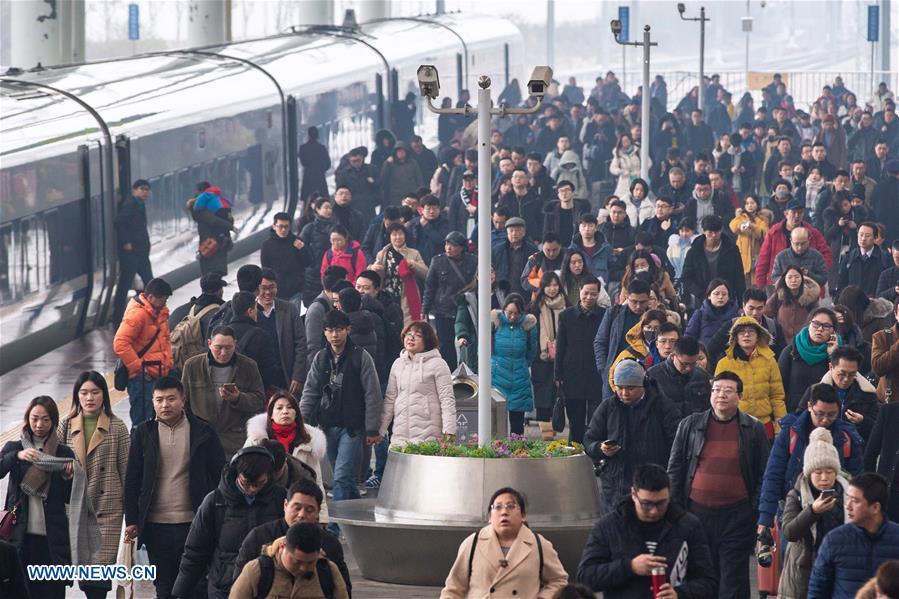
(515, 447)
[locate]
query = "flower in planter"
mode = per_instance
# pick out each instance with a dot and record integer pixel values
(515, 447)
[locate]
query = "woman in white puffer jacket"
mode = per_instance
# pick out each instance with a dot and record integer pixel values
(419, 398)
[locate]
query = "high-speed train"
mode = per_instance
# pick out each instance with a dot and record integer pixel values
(73, 138)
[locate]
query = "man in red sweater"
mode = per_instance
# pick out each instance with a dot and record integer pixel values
(778, 239)
(716, 468)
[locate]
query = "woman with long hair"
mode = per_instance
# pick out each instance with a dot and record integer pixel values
(717, 308)
(546, 308)
(344, 251)
(283, 422)
(625, 164)
(574, 267)
(643, 261)
(419, 399)
(515, 346)
(40, 471)
(400, 266)
(316, 236)
(851, 335)
(101, 442)
(795, 296)
(750, 225)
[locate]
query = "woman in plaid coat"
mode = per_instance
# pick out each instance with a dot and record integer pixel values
(100, 442)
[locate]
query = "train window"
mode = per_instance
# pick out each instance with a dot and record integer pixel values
(269, 118)
(6, 265)
(201, 138)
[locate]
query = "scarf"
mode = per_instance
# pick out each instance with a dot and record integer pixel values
(284, 434)
(393, 284)
(550, 309)
(84, 532)
(810, 353)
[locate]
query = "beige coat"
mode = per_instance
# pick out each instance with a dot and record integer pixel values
(519, 579)
(417, 265)
(419, 399)
(228, 419)
(105, 462)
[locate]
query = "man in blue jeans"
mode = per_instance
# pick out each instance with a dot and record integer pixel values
(342, 395)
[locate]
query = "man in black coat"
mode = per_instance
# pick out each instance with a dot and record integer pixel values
(575, 366)
(448, 274)
(165, 483)
(246, 497)
(676, 190)
(426, 159)
(882, 453)
(346, 214)
(255, 342)
(635, 426)
(376, 236)
(303, 504)
(647, 530)
(703, 202)
(698, 136)
(680, 379)
(510, 256)
(616, 322)
(713, 256)
(133, 241)
(863, 264)
(212, 291)
(12, 573)
(522, 201)
(288, 256)
(362, 181)
(884, 199)
(426, 233)
(716, 468)
(387, 307)
(621, 235)
(316, 162)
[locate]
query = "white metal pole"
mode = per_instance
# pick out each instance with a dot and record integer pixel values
(746, 63)
(644, 119)
(485, 384)
(702, 60)
(550, 32)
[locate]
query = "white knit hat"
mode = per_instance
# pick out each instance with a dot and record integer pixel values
(820, 452)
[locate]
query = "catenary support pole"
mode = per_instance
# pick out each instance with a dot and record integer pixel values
(485, 384)
(702, 61)
(644, 119)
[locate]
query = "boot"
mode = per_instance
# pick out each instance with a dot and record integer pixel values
(546, 431)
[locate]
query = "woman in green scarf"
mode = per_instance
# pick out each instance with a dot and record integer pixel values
(805, 361)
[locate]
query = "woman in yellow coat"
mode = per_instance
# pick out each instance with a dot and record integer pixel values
(750, 357)
(750, 226)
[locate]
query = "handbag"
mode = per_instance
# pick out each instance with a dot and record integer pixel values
(558, 418)
(208, 247)
(120, 374)
(8, 522)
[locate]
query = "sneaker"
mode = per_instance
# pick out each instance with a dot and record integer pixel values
(373, 482)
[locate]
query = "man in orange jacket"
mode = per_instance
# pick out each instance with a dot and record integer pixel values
(142, 343)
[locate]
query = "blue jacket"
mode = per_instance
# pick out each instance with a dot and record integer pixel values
(598, 263)
(706, 321)
(848, 557)
(514, 348)
(607, 342)
(785, 466)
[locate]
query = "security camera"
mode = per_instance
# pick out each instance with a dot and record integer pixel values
(428, 81)
(616, 27)
(540, 80)
(681, 8)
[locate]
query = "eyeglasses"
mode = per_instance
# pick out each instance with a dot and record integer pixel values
(499, 507)
(825, 415)
(268, 288)
(413, 335)
(664, 341)
(817, 324)
(648, 506)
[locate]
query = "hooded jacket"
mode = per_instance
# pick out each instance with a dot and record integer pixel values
(792, 316)
(515, 346)
(219, 527)
(382, 151)
(287, 261)
(399, 177)
(139, 324)
(625, 166)
(419, 399)
(570, 170)
(636, 350)
(763, 390)
(749, 241)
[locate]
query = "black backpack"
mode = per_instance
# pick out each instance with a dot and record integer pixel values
(267, 576)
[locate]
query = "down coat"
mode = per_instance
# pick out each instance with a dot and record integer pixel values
(139, 324)
(763, 391)
(706, 321)
(793, 316)
(419, 399)
(311, 453)
(515, 346)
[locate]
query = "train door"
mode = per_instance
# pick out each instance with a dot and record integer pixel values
(99, 244)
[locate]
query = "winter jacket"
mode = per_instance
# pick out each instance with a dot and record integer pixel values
(551, 218)
(213, 215)
(427, 238)
(885, 362)
(55, 513)
(706, 321)
(518, 578)
(529, 207)
(848, 557)
(416, 265)
(204, 467)
(610, 336)
(793, 316)
(798, 375)
(139, 325)
(615, 540)
(366, 194)
(399, 178)
(887, 283)
(749, 240)
(575, 365)
(352, 259)
(382, 150)
(642, 213)
(697, 275)
(360, 393)
(721, 339)
(388, 309)
(763, 391)
(515, 346)
(419, 399)
(884, 203)
(882, 449)
(787, 454)
(776, 241)
(351, 219)
(625, 166)
(375, 238)
(310, 453)
(315, 161)
(570, 170)
(801, 530)
(364, 333)
(811, 262)
(861, 397)
(687, 448)
(228, 419)
(877, 316)
(598, 263)
(268, 533)
(255, 343)
(219, 527)
(654, 421)
(314, 324)
(864, 273)
(444, 283)
(466, 324)
(317, 237)
(287, 261)
(534, 269)
(502, 258)
(131, 227)
(721, 207)
(617, 236)
(106, 461)
(690, 393)
(636, 350)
